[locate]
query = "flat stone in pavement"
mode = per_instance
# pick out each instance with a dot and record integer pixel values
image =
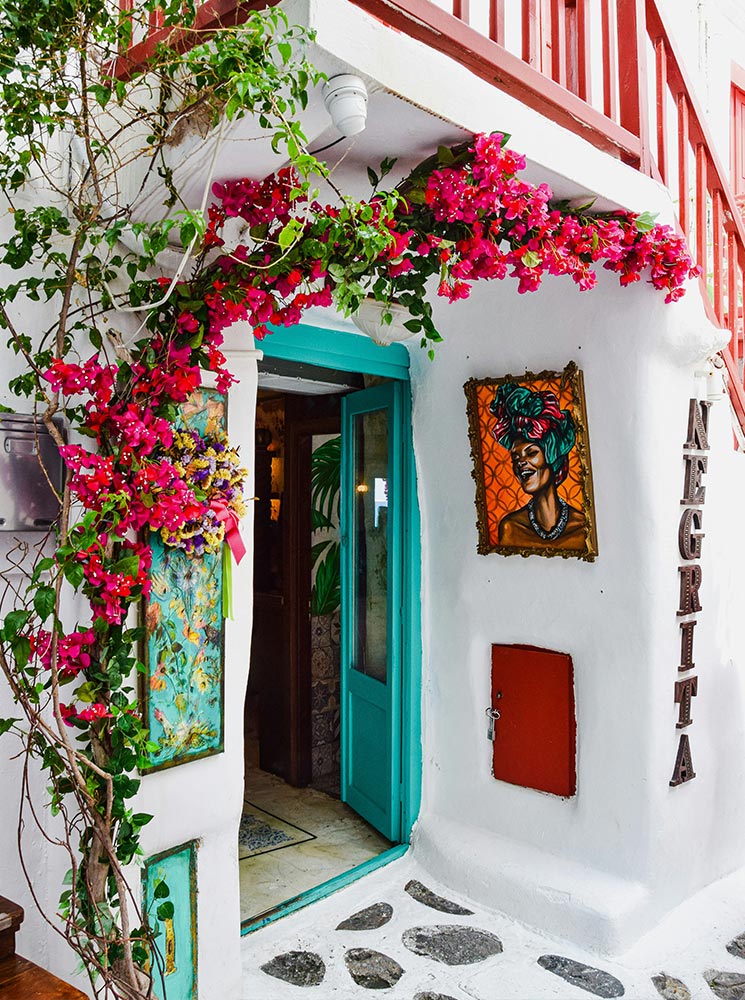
(420, 892)
(601, 984)
(671, 988)
(452, 944)
(368, 919)
(300, 968)
(432, 996)
(736, 946)
(726, 985)
(372, 969)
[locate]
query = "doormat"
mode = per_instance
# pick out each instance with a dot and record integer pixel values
(260, 832)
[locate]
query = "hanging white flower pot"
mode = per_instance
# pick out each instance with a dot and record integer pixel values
(369, 319)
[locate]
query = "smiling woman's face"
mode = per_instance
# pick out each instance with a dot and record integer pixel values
(530, 466)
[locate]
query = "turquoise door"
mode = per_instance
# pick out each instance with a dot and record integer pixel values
(372, 547)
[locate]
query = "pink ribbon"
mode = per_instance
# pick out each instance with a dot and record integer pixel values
(233, 537)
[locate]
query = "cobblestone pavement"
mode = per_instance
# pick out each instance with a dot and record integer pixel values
(399, 932)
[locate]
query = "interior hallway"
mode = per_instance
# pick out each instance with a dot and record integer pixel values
(293, 839)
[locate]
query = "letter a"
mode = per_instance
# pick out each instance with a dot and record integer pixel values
(683, 770)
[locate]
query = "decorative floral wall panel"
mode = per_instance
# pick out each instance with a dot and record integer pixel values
(169, 897)
(183, 685)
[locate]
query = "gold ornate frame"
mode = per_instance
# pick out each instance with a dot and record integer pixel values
(571, 379)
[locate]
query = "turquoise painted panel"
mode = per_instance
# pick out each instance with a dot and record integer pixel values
(182, 691)
(174, 967)
(371, 699)
(184, 636)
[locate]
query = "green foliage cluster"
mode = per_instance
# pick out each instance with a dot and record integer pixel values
(75, 115)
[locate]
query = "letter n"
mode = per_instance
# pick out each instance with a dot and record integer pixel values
(698, 424)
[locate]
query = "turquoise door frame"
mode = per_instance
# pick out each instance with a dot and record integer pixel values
(341, 351)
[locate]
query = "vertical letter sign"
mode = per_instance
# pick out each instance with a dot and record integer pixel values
(690, 539)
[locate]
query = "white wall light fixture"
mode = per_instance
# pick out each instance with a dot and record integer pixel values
(345, 97)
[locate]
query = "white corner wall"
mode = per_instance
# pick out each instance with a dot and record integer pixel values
(601, 867)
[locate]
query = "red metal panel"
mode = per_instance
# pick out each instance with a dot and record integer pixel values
(536, 734)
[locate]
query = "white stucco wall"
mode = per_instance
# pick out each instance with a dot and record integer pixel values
(601, 867)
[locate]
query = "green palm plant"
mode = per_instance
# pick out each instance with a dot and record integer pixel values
(325, 480)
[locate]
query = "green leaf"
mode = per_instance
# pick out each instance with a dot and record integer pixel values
(445, 156)
(87, 692)
(372, 177)
(325, 596)
(127, 565)
(290, 233)
(45, 600)
(645, 221)
(165, 911)
(161, 890)
(325, 482)
(7, 724)
(14, 622)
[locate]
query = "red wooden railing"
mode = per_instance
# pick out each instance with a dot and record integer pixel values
(607, 70)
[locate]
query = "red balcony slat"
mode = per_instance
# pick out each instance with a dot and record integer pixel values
(701, 206)
(531, 33)
(610, 60)
(462, 10)
(733, 310)
(718, 252)
(684, 212)
(584, 51)
(496, 21)
(661, 95)
(632, 74)
(558, 42)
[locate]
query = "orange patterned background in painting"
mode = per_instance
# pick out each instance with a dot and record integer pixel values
(502, 492)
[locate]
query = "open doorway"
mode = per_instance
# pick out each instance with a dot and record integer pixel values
(298, 831)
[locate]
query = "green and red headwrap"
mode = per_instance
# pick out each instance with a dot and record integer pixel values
(535, 416)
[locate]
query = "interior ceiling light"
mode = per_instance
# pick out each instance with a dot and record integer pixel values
(345, 97)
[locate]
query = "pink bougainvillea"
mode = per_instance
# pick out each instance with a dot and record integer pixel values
(465, 215)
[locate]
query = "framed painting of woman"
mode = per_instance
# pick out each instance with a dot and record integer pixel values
(531, 463)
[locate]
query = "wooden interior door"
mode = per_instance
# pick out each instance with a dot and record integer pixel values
(536, 733)
(281, 645)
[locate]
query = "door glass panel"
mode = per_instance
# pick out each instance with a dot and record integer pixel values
(370, 533)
